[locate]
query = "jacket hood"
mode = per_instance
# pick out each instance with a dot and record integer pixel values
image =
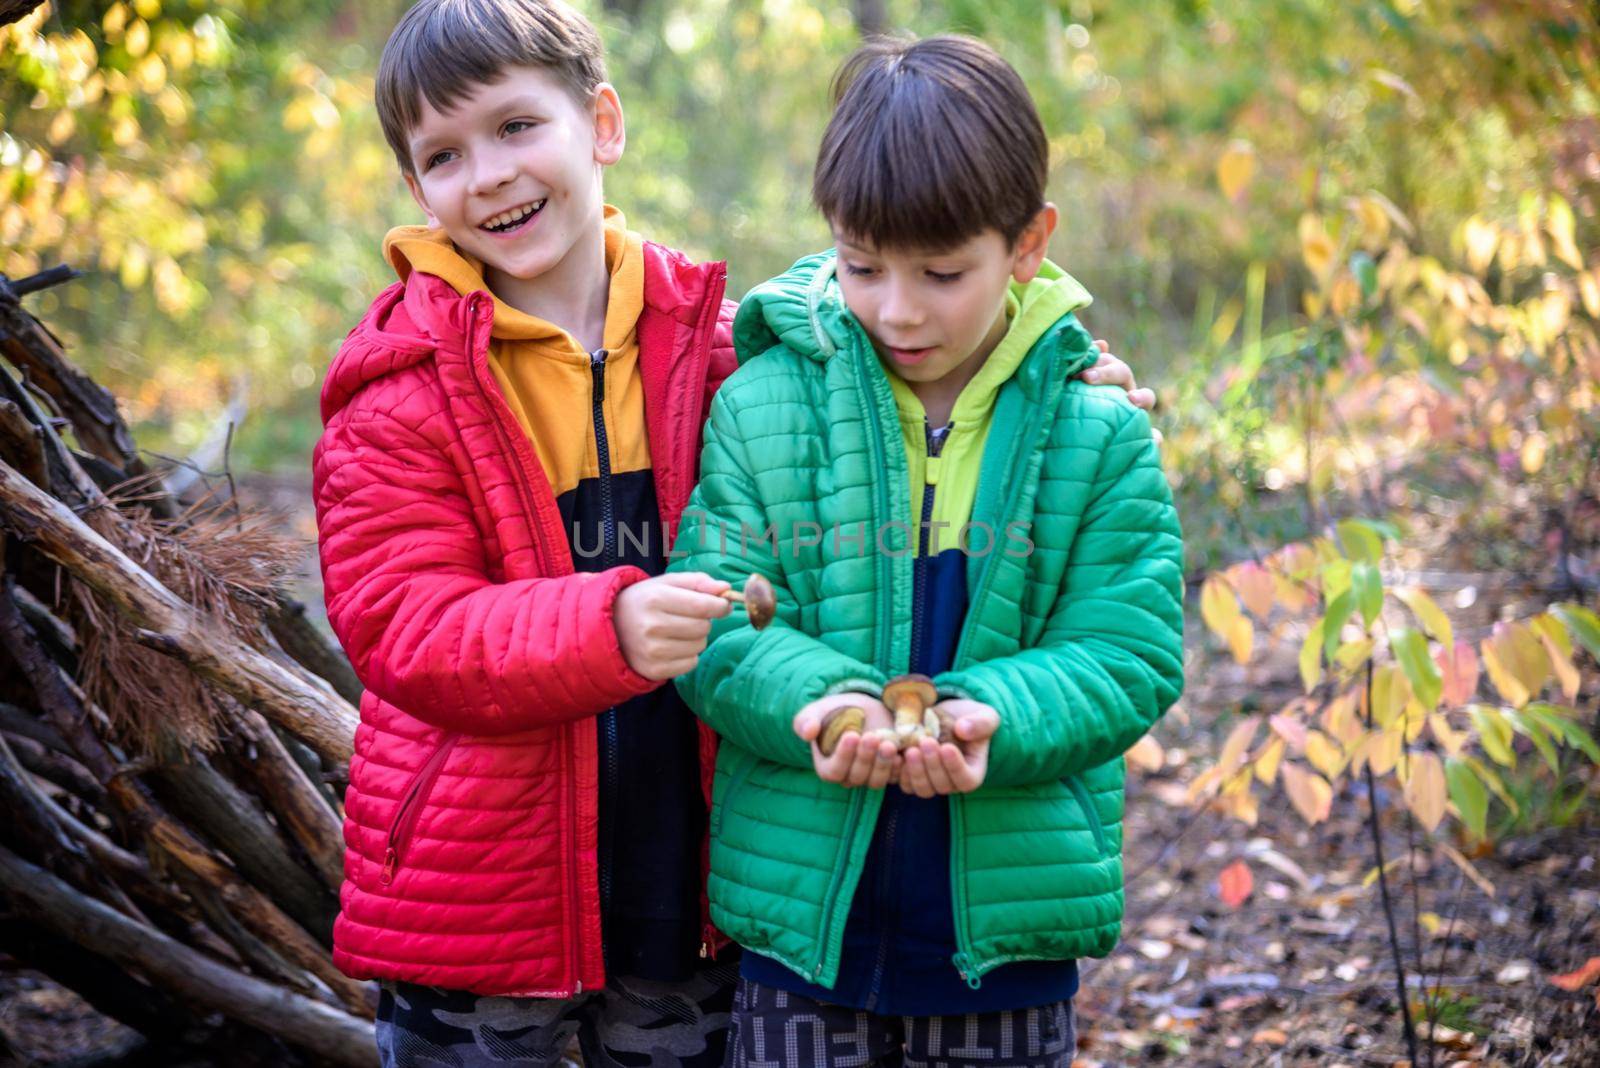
(423, 313)
(804, 310)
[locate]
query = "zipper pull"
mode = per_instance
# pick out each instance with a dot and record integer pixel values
(597, 365)
(961, 961)
(391, 860)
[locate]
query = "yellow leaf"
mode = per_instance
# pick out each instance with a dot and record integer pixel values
(1311, 657)
(1504, 680)
(137, 40)
(1239, 739)
(1450, 740)
(1315, 245)
(1559, 221)
(1340, 722)
(62, 126)
(1433, 620)
(1425, 790)
(1374, 220)
(1323, 755)
(1266, 765)
(1481, 237)
(1558, 647)
(1310, 794)
(1218, 606)
(1241, 638)
(1430, 922)
(1235, 168)
(1353, 654)
(1416, 717)
(1589, 290)
(1383, 753)
(1390, 692)
(1255, 587)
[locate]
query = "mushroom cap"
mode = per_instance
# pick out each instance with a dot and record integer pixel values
(760, 603)
(919, 688)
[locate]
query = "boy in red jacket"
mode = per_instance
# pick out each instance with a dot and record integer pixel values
(511, 434)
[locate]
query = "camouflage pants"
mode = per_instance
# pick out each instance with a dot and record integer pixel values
(632, 1023)
(776, 1029)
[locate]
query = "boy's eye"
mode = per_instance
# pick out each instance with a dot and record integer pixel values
(954, 276)
(438, 158)
(858, 271)
(518, 125)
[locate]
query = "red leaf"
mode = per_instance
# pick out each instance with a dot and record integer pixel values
(1590, 972)
(1235, 884)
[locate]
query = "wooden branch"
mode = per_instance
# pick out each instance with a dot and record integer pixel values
(70, 712)
(110, 989)
(22, 445)
(307, 707)
(298, 803)
(311, 649)
(320, 1029)
(90, 407)
(57, 768)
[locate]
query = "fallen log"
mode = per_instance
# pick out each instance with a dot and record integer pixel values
(324, 1031)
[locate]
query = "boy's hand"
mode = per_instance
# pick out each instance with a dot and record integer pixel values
(1108, 370)
(662, 622)
(959, 767)
(857, 761)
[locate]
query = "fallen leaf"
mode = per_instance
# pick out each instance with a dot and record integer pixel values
(1582, 977)
(1235, 884)
(1270, 1037)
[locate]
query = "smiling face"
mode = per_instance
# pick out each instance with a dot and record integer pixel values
(934, 317)
(512, 172)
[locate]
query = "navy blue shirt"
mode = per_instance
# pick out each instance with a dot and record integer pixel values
(900, 939)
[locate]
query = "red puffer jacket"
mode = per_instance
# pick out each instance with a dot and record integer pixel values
(470, 822)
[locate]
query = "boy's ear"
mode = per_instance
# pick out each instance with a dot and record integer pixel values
(609, 131)
(1033, 243)
(422, 202)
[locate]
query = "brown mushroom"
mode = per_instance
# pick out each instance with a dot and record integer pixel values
(760, 603)
(837, 723)
(909, 697)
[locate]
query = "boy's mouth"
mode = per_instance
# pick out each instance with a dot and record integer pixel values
(508, 222)
(910, 357)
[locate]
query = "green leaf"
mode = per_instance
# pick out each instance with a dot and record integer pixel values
(1558, 722)
(1361, 542)
(1366, 272)
(1531, 730)
(1311, 657)
(1583, 623)
(1494, 734)
(1411, 649)
(1468, 794)
(1492, 780)
(1368, 588)
(1338, 612)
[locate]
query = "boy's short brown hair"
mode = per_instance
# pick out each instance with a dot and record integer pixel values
(931, 143)
(441, 49)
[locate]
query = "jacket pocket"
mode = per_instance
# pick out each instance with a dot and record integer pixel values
(736, 776)
(1090, 814)
(411, 805)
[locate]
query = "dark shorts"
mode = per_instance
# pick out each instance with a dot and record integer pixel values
(632, 1023)
(776, 1029)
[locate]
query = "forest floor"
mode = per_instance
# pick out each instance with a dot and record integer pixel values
(1300, 973)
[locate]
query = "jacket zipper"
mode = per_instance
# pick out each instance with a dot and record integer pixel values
(609, 770)
(968, 968)
(509, 444)
(410, 810)
(1080, 791)
(933, 443)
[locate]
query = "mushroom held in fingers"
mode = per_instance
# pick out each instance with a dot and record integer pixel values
(760, 603)
(910, 697)
(836, 724)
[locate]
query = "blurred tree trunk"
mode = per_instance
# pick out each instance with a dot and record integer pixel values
(872, 17)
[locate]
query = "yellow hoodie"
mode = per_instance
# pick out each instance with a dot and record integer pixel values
(545, 374)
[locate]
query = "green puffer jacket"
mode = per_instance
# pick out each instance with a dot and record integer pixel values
(1077, 643)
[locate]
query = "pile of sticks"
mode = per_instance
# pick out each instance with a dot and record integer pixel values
(174, 738)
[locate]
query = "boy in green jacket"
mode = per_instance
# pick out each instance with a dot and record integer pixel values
(905, 456)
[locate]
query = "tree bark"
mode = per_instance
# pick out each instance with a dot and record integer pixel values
(300, 1021)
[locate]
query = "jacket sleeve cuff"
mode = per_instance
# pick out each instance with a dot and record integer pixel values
(604, 663)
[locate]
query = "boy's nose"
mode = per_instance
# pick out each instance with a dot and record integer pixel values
(899, 308)
(490, 173)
